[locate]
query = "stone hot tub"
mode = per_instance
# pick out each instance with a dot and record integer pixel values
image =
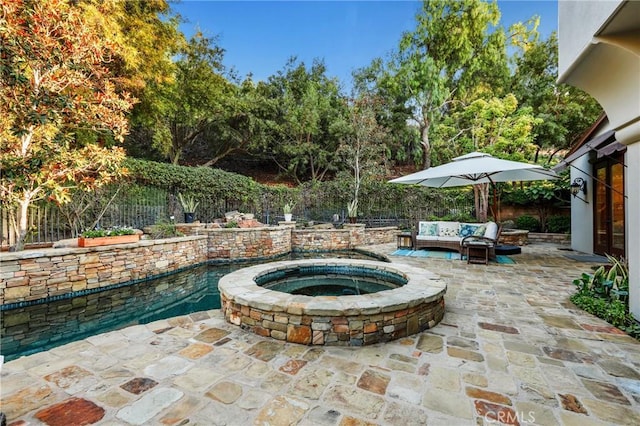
(413, 302)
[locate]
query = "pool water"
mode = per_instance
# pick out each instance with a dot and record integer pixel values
(327, 286)
(41, 327)
(329, 280)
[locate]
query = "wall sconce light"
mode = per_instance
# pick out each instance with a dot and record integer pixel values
(578, 185)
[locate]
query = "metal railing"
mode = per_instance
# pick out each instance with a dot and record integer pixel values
(138, 208)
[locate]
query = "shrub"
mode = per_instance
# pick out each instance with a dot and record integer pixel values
(605, 294)
(528, 223)
(164, 229)
(111, 232)
(559, 224)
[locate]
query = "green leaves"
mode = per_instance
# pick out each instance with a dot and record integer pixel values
(301, 138)
(110, 232)
(204, 181)
(605, 293)
(55, 88)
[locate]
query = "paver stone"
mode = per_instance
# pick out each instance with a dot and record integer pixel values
(73, 411)
(282, 410)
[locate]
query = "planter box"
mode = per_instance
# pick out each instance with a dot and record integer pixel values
(103, 241)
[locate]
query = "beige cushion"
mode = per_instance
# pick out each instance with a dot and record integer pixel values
(450, 239)
(491, 231)
(427, 237)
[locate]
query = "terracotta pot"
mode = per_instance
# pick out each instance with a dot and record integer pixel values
(103, 241)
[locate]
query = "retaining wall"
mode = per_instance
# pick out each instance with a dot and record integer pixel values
(38, 274)
(560, 239)
(248, 243)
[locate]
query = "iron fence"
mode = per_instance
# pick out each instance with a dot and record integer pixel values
(138, 207)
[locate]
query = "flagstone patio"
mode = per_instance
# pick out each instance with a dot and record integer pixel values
(511, 349)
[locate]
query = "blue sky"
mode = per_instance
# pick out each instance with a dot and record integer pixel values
(259, 36)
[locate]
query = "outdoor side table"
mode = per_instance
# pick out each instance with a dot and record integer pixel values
(477, 252)
(405, 240)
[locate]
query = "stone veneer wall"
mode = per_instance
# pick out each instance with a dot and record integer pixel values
(387, 234)
(248, 243)
(514, 237)
(326, 239)
(537, 237)
(349, 237)
(37, 274)
(355, 330)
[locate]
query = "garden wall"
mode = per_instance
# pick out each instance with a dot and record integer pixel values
(37, 274)
(539, 237)
(383, 235)
(248, 243)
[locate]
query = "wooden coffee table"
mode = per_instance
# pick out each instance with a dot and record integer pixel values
(477, 252)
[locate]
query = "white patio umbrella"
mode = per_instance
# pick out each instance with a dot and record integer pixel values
(475, 168)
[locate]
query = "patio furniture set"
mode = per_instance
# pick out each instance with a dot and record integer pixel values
(477, 242)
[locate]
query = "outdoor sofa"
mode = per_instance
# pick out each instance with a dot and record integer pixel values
(451, 235)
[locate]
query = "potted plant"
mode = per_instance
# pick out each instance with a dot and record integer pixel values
(352, 210)
(101, 237)
(287, 209)
(189, 205)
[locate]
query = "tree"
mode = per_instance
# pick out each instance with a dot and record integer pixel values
(241, 127)
(145, 35)
(54, 85)
(301, 141)
(450, 56)
(193, 101)
(496, 126)
(563, 110)
(146, 39)
(361, 144)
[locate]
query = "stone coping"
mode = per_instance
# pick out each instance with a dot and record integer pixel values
(515, 232)
(63, 251)
(422, 287)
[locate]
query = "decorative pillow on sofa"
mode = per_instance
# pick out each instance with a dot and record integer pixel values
(428, 229)
(492, 230)
(448, 229)
(467, 229)
(480, 230)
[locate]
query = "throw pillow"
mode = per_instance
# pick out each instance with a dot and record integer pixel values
(448, 229)
(492, 230)
(467, 229)
(428, 229)
(480, 230)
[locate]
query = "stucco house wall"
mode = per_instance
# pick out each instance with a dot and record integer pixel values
(582, 211)
(599, 52)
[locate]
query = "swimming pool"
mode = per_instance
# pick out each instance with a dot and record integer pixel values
(41, 327)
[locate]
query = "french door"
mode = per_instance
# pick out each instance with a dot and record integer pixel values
(608, 206)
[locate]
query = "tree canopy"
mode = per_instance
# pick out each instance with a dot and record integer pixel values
(54, 86)
(78, 75)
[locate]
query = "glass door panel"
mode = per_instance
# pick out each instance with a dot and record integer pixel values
(608, 207)
(617, 204)
(600, 214)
